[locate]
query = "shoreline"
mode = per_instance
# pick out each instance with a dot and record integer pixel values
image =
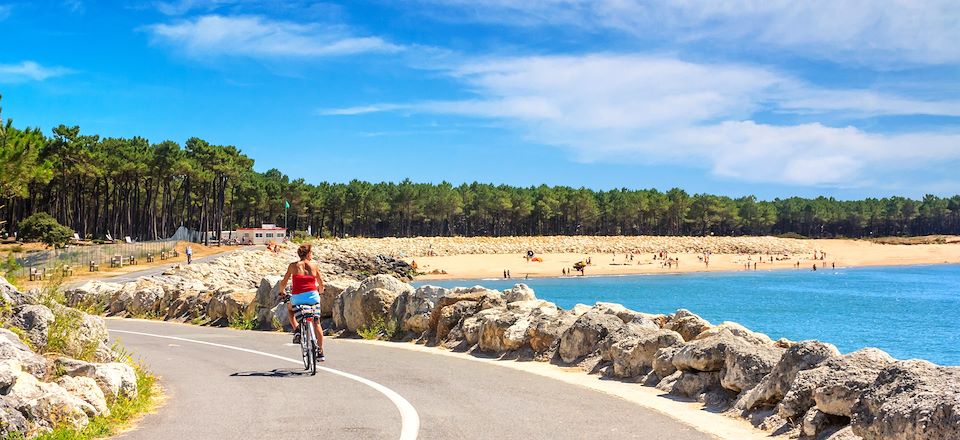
(489, 258)
(431, 277)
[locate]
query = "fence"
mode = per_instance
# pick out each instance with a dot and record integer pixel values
(81, 258)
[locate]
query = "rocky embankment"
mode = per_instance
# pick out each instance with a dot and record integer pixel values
(420, 246)
(803, 389)
(41, 388)
(226, 288)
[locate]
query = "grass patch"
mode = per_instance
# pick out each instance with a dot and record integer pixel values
(62, 335)
(244, 321)
(379, 329)
(122, 412)
(276, 324)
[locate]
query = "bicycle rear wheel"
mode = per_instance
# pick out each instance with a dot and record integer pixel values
(312, 355)
(305, 344)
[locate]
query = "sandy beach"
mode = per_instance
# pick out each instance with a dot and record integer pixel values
(477, 258)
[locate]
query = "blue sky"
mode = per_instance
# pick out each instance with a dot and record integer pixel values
(777, 98)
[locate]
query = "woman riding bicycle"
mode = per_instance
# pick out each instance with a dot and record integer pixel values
(307, 285)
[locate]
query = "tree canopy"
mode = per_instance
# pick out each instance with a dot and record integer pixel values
(130, 186)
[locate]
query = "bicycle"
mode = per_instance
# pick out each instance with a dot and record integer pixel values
(305, 314)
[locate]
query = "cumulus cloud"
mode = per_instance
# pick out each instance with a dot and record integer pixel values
(652, 110)
(261, 37)
(887, 31)
(29, 71)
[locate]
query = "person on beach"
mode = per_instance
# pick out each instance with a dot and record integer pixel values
(189, 252)
(307, 285)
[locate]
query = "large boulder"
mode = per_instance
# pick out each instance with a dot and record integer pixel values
(86, 389)
(707, 354)
(835, 385)
(801, 356)
(586, 333)
(266, 299)
(519, 292)
(13, 349)
(48, 405)
(12, 421)
(738, 331)
(11, 296)
(451, 317)
(497, 332)
(687, 324)
(92, 294)
(483, 298)
(226, 304)
(545, 329)
(358, 307)
(634, 355)
(35, 320)
(910, 400)
(746, 364)
(662, 363)
(115, 379)
(331, 289)
(412, 308)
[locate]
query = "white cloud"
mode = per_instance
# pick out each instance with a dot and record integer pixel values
(5, 11)
(29, 71)
(259, 37)
(655, 110)
(359, 110)
(886, 31)
(180, 7)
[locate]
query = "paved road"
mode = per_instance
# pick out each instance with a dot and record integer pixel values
(218, 392)
(155, 270)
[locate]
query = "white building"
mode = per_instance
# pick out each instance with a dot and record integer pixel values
(265, 233)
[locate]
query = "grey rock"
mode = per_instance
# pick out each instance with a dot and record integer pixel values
(746, 364)
(115, 379)
(687, 324)
(12, 348)
(586, 333)
(12, 421)
(910, 400)
(413, 308)
(775, 385)
(663, 361)
(835, 385)
(35, 320)
(519, 292)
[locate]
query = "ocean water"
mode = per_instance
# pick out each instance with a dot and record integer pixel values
(907, 311)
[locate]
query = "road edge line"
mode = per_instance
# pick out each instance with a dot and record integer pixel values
(409, 418)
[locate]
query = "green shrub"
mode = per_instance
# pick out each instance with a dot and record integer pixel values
(62, 335)
(379, 329)
(792, 235)
(244, 321)
(44, 228)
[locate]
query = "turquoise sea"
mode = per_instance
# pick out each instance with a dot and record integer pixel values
(907, 311)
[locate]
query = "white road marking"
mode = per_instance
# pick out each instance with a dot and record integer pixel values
(409, 419)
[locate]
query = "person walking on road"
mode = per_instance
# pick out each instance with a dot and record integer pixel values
(307, 285)
(189, 252)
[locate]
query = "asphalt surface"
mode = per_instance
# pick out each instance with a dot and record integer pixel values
(155, 270)
(218, 392)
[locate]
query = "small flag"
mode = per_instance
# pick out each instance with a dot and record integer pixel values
(287, 204)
